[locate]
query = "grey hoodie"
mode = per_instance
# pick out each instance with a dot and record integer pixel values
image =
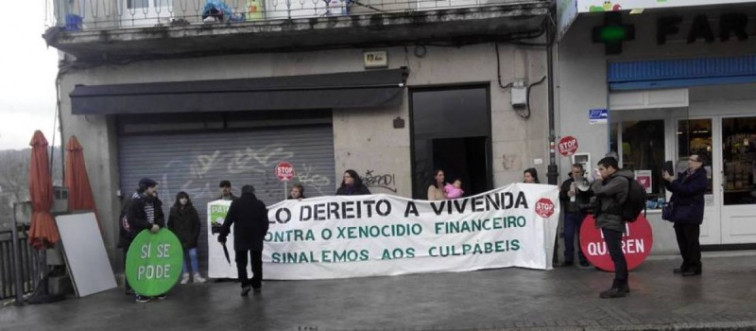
(611, 194)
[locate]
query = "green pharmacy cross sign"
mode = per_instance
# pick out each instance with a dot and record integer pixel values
(154, 262)
(613, 33)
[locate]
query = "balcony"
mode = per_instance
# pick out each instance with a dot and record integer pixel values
(113, 30)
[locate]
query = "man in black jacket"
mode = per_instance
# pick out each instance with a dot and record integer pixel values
(249, 217)
(611, 189)
(145, 212)
(688, 191)
(572, 199)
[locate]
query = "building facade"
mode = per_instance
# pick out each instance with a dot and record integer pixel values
(189, 97)
(676, 78)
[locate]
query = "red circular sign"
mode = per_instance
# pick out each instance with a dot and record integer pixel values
(284, 171)
(544, 208)
(636, 243)
(568, 145)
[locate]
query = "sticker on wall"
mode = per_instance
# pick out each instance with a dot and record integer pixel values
(598, 116)
(644, 178)
(568, 145)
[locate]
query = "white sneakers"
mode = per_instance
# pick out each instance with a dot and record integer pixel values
(197, 278)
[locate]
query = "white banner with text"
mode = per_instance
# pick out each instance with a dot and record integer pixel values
(375, 235)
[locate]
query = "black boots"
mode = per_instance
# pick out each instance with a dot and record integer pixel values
(619, 290)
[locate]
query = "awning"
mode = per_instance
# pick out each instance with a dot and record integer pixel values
(368, 89)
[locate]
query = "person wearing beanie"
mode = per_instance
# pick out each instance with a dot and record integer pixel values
(249, 217)
(226, 194)
(145, 212)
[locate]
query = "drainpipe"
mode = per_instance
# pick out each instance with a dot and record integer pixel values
(553, 171)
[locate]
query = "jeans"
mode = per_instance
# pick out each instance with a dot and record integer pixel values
(572, 223)
(125, 280)
(613, 241)
(190, 255)
(241, 267)
(690, 248)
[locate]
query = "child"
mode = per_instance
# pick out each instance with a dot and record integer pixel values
(454, 190)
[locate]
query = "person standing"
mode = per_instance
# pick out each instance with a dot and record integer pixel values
(530, 175)
(297, 192)
(352, 184)
(688, 191)
(146, 213)
(184, 221)
(436, 188)
(249, 216)
(225, 188)
(611, 189)
(572, 199)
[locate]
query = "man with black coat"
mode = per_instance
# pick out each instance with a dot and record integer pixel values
(572, 199)
(145, 213)
(611, 189)
(249, 216)
(688, 202)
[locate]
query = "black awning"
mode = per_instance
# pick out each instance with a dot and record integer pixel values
(368, 89)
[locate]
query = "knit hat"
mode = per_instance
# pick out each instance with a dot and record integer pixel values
(146, 182)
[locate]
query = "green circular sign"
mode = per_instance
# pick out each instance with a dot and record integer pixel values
(154, 262)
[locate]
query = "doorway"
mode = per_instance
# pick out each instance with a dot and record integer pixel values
(730, 208)
(451, 131)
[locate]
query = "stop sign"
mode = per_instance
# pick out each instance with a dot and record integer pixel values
(284, 171)
(636, 243)
(544, 208)
(568, 145)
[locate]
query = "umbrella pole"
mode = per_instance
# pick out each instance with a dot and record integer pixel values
(16, 259)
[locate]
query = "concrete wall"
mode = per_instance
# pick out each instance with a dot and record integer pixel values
(581, 82)
(363, 139)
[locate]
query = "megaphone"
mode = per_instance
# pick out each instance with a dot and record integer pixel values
(582, 184)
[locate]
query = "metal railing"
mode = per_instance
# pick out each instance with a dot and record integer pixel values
(10, 267)
(79, 15)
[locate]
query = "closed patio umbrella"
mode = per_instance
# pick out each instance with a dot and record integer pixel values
(77, 181)
(43, 232)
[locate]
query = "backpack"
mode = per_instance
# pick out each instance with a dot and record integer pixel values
(636, 201)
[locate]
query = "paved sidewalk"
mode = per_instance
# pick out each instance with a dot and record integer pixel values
(724, 297)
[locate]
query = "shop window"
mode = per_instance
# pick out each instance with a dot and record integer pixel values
(694, 137)
(739, 156)
(640, 145)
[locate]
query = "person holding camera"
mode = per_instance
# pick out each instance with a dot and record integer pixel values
(687, 201)
(572, 199)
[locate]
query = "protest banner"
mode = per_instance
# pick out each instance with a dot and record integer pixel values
(154, 262)
(373, 235)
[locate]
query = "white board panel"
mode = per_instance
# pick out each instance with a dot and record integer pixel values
(85, 254)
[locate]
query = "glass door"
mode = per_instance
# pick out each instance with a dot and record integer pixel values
(738, 179)
(696, 136)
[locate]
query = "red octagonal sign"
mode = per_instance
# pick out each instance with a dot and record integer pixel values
(544, 208)
(568, 145)
(284, 171)
(636, 243)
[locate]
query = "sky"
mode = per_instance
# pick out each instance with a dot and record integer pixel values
(27, 82)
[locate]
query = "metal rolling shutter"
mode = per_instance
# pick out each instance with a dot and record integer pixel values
(197, 162)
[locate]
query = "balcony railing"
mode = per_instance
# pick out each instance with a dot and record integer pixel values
(79, 15)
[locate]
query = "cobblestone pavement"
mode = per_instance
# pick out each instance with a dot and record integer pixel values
(724, 297)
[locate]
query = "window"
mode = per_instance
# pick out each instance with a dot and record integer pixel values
(640, 145)
(131, 4)
(694, 137)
